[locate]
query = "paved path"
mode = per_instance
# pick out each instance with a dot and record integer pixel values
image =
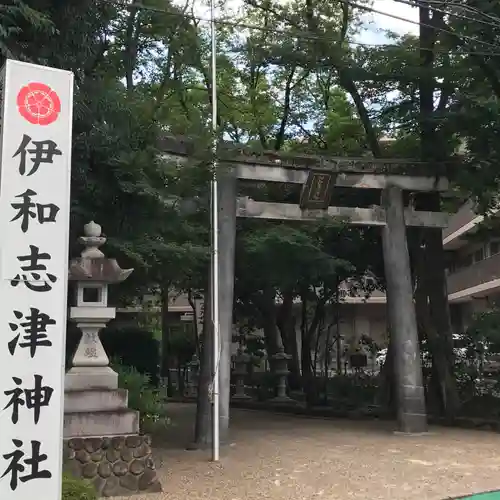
(282, 457)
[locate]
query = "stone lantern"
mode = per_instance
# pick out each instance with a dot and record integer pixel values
(102, 442)
(92, 272)
(279, 365)
(241, 361)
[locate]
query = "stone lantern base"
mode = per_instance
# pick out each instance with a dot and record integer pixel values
(116, 466)
(102, 443)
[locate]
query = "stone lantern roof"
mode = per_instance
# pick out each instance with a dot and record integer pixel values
(93, 265)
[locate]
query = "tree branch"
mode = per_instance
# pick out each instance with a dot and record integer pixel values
(280, 136)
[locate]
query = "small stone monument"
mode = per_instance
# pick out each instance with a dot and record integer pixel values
(101, 434)
(279, 365)
(241, 361)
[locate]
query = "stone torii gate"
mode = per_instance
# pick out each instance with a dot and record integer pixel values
(319, 177)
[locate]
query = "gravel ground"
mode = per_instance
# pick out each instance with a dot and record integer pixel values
(283, 457)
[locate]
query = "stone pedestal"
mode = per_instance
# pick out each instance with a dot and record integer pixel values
(90, 367)
(117, 466)
(93, 404)
(279, 366)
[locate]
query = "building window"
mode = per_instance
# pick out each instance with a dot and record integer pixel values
(494, 247)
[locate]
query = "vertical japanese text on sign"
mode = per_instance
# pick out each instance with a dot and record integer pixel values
(34, 203)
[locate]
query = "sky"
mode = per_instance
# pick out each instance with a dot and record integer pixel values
(380, 22)
(372, 34)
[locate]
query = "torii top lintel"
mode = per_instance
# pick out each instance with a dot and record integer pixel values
(347, 172)
(271, 166)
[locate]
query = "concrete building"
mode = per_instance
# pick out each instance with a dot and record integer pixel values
(473, 273)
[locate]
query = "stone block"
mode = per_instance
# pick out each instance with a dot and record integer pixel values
(82, 378)
(95, 400)
(116, 465)
(101, 423)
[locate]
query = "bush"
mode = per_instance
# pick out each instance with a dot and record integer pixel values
(263, 385)
(77, 489)
(354, 390)
(141, 395)
(134, 346)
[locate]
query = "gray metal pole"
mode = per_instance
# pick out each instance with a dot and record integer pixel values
(215, 247)
(412, 416)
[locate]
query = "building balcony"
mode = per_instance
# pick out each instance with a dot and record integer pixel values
(478, 280)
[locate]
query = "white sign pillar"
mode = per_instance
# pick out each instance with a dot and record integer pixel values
(35, 173)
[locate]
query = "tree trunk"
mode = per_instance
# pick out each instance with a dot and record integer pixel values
(180, 379)
(338, 337)
(196, 335)
(165, 341)
(307, 371)
(307, 333)
(327, 359)
(130, 50)
(286, 324)
(202, 430)
(386, 395)
(294, 364)
(267, 306)
(432, 148)
(441, 335)
(319, 332)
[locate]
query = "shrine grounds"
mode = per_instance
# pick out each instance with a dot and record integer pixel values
(278, 457)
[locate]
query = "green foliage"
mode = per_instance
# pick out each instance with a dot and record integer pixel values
(142, 396)
(182, 343)
(483, 334)
(17, 18)
(135, 348)
(255, 347)
(263, 385)
(478, 347)
(356, 390)
(77, 489)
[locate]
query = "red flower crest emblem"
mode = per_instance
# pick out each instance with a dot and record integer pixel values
(38, 104)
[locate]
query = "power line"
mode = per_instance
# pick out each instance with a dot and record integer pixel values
(411, 21)
(309, 36)
(467, 8)
(419, 3)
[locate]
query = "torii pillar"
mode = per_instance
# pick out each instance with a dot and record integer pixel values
(227, 242)
(412, 417)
